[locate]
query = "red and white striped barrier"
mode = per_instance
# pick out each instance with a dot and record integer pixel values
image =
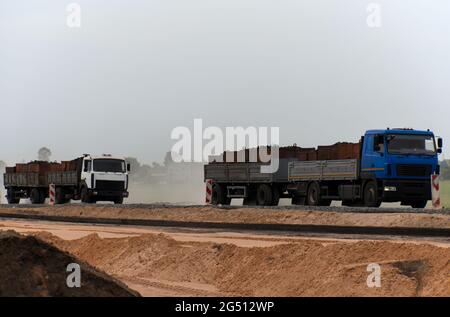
(435, 191)
(209, 184)
(51, 194)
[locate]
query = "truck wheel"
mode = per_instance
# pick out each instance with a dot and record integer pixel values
(275, 196)
(419, 204)
(85, 197)
(43, 196)
(118, 201)
(314, 197)
(371, 197)
(11, 197)
(59, 196)
(218, 195)
(35, 196)
(264, 195)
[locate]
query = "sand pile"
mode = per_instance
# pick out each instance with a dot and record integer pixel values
(246, 215)
(304, 268)
(32, 267)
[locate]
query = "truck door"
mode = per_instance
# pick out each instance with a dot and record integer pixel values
(373, 158)
(86, 172)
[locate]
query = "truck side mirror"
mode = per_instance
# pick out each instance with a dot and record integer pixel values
(439, 143)
(128, 167)
(439, 151)
(86, 166)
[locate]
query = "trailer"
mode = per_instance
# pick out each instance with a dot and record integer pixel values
(89, 179)
(392, 165)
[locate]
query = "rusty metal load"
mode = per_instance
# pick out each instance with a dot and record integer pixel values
(43, 167)
(337, 151)
(253, 155)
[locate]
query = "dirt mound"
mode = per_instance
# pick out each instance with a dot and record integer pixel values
(32, 267)
(303, 268)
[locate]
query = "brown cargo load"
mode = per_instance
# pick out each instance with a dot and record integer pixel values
(338, 151)
(21, 168)
(69, 165)
(36, 167)
(43, 167)
(10, 169)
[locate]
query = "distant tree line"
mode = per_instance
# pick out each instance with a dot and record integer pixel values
(445, 169)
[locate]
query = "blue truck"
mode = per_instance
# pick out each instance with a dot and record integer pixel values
(390, 165)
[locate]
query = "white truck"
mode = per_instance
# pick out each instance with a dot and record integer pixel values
(87, 178)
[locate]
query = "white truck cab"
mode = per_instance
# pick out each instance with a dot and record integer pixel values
(104, 178)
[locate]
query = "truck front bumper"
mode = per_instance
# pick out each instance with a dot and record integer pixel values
(406, 190)
(109, 193)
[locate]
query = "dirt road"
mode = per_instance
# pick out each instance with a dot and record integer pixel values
(169, 262)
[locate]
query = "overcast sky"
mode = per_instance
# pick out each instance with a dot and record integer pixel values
(137, 69)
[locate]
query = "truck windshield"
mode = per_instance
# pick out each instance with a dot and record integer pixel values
(109, 165)
(411, 144)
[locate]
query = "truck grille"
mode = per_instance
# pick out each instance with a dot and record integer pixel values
(110, 185)
(414, 170)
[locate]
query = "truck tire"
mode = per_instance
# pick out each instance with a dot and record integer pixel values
(11, 197)
(314, 197)
(275, 196)
(43, 196)
(419, 204)
(371, 196)
(219, 196)
(36, 196)
(85, 197)
(59, 196)
(264, 195)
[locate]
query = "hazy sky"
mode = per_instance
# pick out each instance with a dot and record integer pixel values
(137, 69)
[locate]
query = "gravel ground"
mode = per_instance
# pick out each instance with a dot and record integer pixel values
(162, 205)
(280, 215)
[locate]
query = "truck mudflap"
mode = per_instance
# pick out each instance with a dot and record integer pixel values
(406, 190)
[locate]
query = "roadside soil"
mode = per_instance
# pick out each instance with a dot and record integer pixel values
(33, 267)
(158, 265)
(244, 215)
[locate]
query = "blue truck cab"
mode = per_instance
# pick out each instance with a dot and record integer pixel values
(397, 165)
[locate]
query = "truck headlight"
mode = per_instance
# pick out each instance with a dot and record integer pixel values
(390, 188)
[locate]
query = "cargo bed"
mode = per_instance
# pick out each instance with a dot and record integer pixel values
(246, 172)
(323, 170)
(68, 178)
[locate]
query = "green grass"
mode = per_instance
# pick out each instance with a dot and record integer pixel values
(445, 193)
